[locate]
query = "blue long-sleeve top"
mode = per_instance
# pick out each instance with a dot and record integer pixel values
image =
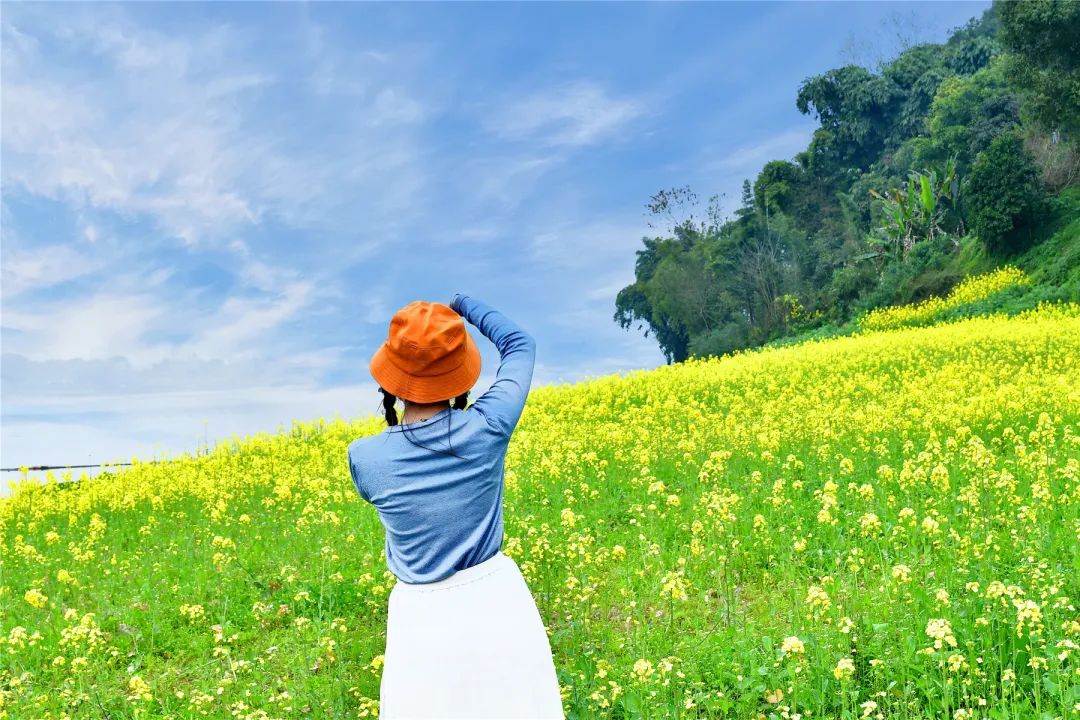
(443, 513)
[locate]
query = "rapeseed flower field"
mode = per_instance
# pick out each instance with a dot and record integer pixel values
(876, 526)
(967, 292)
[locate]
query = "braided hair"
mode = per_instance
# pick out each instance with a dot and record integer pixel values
(390, 411)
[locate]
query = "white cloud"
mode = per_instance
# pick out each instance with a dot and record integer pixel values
(101, 326)
(572, 115)
(502, 183)
(140, 131)
(589, 246)
(132, 124)
(165, 152)
(165, 423)
(109, 324)
(393, 106)
(174, 128)
(44, 266)
(241, 322)
(100, 428)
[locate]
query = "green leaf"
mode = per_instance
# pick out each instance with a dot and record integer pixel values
(927, 194)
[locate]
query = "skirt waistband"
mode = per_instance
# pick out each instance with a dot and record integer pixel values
(470, 574)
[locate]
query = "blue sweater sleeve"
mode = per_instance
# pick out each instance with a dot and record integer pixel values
(355, 474)
(504, 401)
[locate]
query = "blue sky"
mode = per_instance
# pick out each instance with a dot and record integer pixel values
(211, 211)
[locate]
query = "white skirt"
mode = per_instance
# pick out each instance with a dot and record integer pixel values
(472, 645)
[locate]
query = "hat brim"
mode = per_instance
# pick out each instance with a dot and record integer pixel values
(433, 388)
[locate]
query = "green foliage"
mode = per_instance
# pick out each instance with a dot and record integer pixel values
(1055, 262)
(919, 211)
(1043, 40)
(916, 74)
(924, 272)
(855, 108)
(633, 305)
(847, 285)
(971, 47)
(967, 114)
(776, 185)
(1007, 198)
(722, 340)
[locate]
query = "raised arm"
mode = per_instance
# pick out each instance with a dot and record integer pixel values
(503, 402)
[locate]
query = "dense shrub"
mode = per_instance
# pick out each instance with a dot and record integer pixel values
(1006, 198)
(923, 273)
(721, 341)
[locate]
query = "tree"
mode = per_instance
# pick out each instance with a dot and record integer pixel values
(775, 185)
(855, 108)
(729, 337)
(746, 209)
(971, 47)
(673, 210)
(672, 294)
(1042, 38)
(967, 114)
(884, 165)
(1006, 198)
(685, 289)
(761, 265)
(916, 74)
(634, 305)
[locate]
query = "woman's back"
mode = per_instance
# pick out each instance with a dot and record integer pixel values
(441, 513)
(437, 483)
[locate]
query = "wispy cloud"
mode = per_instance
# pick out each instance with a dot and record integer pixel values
(242, 322)
(101, 326)
(577, 114)
(753, 155)
(45, 266)
(166, 128)
(146, 138)
(165, 152)
(110, 324)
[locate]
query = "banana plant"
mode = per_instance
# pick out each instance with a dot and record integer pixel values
(917, 211)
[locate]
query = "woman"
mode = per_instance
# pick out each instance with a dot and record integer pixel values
(464, 638)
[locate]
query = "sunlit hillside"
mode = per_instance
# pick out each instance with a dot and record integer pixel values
(883, 525)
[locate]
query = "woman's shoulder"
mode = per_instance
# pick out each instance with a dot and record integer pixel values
(363, 446)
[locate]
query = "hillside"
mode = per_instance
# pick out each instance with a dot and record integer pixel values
(948, 160)
(880, 525)
(969, 283)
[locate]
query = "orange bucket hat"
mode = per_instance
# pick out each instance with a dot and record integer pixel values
(428, 355)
